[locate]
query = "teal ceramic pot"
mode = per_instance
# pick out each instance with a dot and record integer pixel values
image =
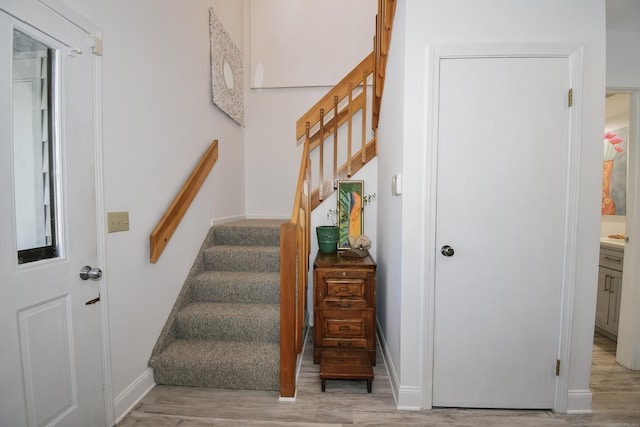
(327, 238)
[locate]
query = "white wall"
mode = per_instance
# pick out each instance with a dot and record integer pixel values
(402, 276)
(158, 119)
(272, 156)
(310, 43)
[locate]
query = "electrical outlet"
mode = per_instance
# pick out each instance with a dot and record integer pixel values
(117, 221)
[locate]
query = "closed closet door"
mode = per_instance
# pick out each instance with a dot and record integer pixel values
(502, 179)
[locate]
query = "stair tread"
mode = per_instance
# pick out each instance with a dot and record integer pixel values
(193, 351)
(229, 321)
(235, 276)
(242, 258)
(236, 286)
(203, 363)
(243, 232)
(233, 309)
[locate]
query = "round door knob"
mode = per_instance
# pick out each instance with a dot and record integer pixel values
(87, 273)
(447, 250)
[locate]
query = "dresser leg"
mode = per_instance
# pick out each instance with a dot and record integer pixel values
(369, 386)
(324, 385)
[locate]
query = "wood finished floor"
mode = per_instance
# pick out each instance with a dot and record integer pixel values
(616, 403)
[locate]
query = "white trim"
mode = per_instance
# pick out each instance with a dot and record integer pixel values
(283, 217)
(570, 242)
(101, 241)
(436, 53)
(71, 15)
(224, 219)
(579, 401)
(409, 398)
(133, 394)
(392, 373)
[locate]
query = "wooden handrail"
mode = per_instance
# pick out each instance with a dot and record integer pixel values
(165, 228)
(382, 40)
(341, 90)
(319, 126)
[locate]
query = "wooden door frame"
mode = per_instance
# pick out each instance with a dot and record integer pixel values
(573, 53)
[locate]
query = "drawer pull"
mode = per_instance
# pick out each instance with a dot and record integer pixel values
(343, 289)
(344, 328)
(613, 259)
(341, 344)
(344, 304)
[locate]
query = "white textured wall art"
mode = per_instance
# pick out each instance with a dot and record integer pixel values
(226, 71)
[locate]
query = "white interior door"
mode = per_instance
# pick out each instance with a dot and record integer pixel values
(503, 139)
(51, 356)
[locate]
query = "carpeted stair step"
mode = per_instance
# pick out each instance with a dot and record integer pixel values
(229, 322)
(242, 258)
(236, 286)
(248, 232)
(231, 365)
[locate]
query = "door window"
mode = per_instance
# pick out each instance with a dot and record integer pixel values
(34, 137)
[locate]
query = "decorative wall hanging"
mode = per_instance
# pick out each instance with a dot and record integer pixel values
(614, 172)
(226, 71)
(350, 211)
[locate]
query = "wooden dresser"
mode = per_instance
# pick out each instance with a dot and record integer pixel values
(344, 305)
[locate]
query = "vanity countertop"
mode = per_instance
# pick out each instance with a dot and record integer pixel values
(608, 242)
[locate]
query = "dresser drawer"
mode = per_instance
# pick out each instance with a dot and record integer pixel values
(345, 329)
(611, 258)
(344, 289)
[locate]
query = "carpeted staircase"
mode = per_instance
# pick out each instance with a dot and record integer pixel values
(224, 329)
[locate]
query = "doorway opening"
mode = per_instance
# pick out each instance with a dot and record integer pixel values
(613, 229)
(618, 295)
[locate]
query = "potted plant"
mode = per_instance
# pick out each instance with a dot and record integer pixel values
(328, 234)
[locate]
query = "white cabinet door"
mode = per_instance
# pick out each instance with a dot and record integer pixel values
(501, 205)
(51, 370)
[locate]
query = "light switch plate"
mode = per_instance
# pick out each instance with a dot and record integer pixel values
(117, 221)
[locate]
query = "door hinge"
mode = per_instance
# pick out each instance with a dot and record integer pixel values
(570, 97)
(557, 367)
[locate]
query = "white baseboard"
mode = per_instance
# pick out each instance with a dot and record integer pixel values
(133, 394)
(222, 220)
(579, 402)
(406, 398)
(283, 217)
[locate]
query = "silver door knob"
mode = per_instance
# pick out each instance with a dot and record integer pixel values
(447, 250)
(87, 273)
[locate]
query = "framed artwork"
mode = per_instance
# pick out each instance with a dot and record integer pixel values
(350, 212)
(226, 71)
(614, 172)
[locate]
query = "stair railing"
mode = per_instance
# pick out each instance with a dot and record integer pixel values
(327, 131)
(165, 228)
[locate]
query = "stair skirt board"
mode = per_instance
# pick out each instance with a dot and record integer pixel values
(224, 330)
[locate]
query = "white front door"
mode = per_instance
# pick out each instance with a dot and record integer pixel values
(502, 178)
(51, 355)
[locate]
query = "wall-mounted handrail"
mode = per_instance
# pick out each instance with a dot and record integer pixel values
(165, 228)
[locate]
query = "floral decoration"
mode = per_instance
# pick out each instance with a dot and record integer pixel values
(612, 145)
